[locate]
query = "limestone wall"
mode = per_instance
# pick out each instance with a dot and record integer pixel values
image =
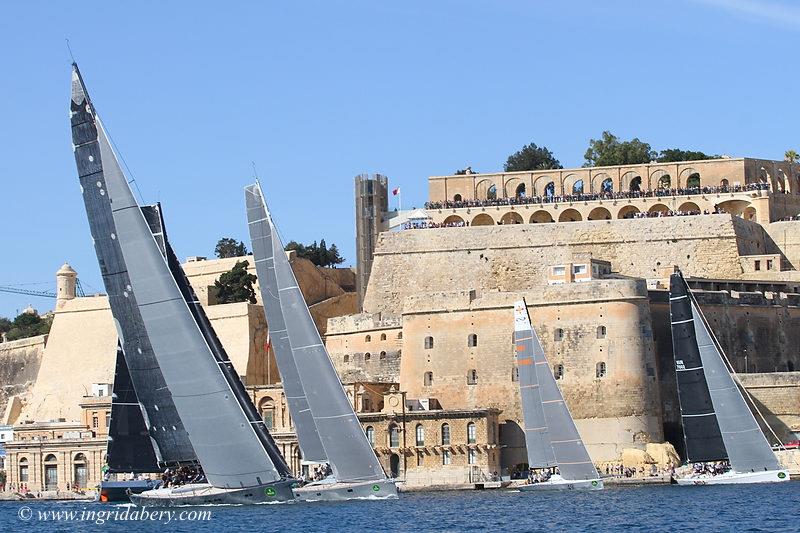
(366, 347)
(786, 236)
(777, 396)
(513, 258)
(19, 366)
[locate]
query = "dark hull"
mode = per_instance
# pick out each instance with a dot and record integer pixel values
(118, 491)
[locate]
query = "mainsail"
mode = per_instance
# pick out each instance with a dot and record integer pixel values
(550, 433)
(717, 423)
(345, 445)
(129, 446)
(261, 239)
(216, 416)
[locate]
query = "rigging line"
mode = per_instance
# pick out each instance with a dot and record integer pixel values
(69, 48)
(122, 157)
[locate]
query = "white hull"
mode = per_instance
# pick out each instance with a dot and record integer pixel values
(558, 483)
(367, 490)
(736, 478)
(205, 494)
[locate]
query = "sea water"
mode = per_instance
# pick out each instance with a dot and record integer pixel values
(770, 507)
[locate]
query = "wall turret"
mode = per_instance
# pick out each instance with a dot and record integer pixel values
(66, 282)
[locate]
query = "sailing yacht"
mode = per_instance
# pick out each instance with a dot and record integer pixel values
(551, 438)
(177, 364)
(328, 429)
(717, 423)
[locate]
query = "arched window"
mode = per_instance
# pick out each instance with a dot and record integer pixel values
(419, 433)
(550, 189)
(577, 187)
(346, 358)
(370, 432)
(558, 334)
(428, 343)
(79, 471)
(664, 182)
(50, 472)
(368, 338)
(472, 377)
(472, 340)
(558, 371)
(427, 379)
(23, 469)
(491, 194)
(399, 335)
(445, 434)
(607, 186)
(693, 181)
(600, 369)
(394, 436)
(267, 409)
(457, 198)
(520, 192)
(383, 356)
(515, 374)
(383, 336)
(367, 356)
(636, 184)
(601, 332)
(724, 182)
(471, 433)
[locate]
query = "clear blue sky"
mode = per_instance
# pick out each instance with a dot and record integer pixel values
(317, 92)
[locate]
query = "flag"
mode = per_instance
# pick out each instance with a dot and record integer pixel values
(268, 344)
(396, 191)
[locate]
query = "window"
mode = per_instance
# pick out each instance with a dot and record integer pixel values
(346, 358)
(23, 469)
(366, 405)
(758, 264)
(515, 374)
(383, 336)
(445, 457)
(471, 433)
(600, 370)
(601, 332)
(457, 198)
(399, 335)
(472, 377)
(558, 371)
(520, 192)
(445, 434)
(420, 435)
(472, 456)
(558, 335)
(472, 340)
(579, 269)
(95, 420)
(394, 436)
(367, 356)
(491, 194)
(428, 343)
(368, 338)
(427, 379)
(769, 264)
(267, 408)
(559, 270)
(370, 432)
(108, 421)
(383, 355)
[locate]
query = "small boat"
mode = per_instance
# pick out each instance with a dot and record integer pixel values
(190, 371)
(718, 426)
(328, 430)
(551, 437)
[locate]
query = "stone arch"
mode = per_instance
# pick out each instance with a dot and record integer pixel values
(734, 207)
(457, 198)
(482, 220)
(765, 177)
(482, 189)
(550, 189)
(80, 471)
(628, 211)
(724, 182)
(689, 174)
(597, 182)
(512, 217)
(453, 219)
(520, 191)
(541, 216)
(599, 213)
(786, 181)
(569, 183)
(570, 215)
(540, 184)
(661, 179)
(658, 208)
(689, 206)
(511, 187)
(627, 180)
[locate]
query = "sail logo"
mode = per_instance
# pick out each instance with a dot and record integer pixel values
(781, 475)
(679, 364)
(376, 488)
(269, 491)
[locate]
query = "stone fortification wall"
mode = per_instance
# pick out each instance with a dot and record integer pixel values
(19, 366)
(365, 347)
(343, 304)
(515, 257)
(777, 396)
(786, 236)
(580, 326)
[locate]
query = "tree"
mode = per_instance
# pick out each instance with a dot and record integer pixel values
(671, 155)
(320, 254)
(236, 285)
(791, 156)
(28, 325)
(5, 325)
(531, 157)
(227, 247)
(610, 151)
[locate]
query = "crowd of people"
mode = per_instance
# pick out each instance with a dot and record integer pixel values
(551, 198)
(183, 475)
(431, 225)
(620, 470)
(711, 468)
(670, 213)
(540, 475)
(320, 473)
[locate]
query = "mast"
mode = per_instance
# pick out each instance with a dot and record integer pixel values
(568, 449)
(349, 453)
(742, 439)
(215, 415)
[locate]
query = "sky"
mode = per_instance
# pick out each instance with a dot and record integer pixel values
(315, 93)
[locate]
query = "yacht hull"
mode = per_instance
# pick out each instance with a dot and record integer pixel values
(736, 478)
(119, 491)
(384, 489)
(564, 484)
(204, 494)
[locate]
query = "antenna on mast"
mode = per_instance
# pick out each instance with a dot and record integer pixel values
(69, 48)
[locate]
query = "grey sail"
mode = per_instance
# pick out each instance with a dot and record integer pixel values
(170, 446)
(225, 441)
(261, 239)
(349, 453)
(748, 449)
(537, 438)
(568, 449)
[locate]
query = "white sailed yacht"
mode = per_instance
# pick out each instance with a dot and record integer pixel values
(551, 438)
(717, 423)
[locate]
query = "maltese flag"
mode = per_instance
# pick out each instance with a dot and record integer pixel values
(396, 191)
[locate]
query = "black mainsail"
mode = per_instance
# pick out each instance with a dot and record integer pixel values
(717, 423)
(215, 412)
